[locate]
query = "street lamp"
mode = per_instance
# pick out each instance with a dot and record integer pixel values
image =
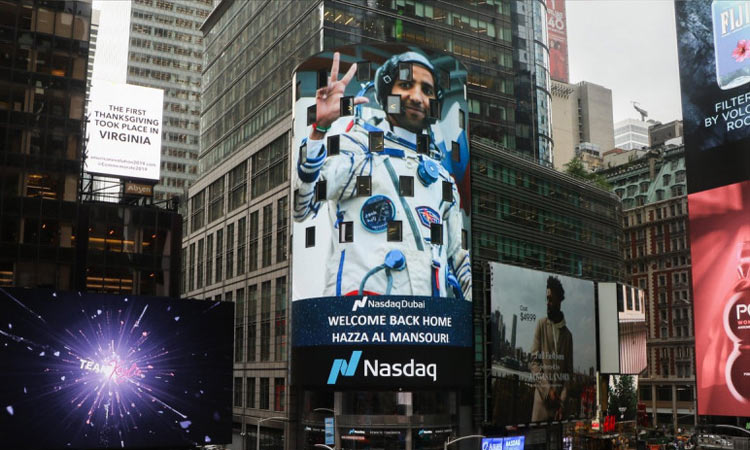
(324, 446)
(335, 430)
(257, 435)
(476, 436)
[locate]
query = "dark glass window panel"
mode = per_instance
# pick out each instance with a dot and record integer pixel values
(310, 237)
(364, 186)
(436, 233)
(406, 186)
(394, 233)
(346, 232)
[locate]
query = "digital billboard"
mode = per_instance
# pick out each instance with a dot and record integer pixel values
(381, 272)
(107, 371)
(622, 329)
(558, 40)
(720, 247)
(713, 40)
(543, 352)
(713, 43)
(124, 130)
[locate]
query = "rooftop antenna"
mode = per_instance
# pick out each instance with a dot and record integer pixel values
(641, 111)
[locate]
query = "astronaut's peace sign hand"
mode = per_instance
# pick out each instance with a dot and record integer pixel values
(328, 98)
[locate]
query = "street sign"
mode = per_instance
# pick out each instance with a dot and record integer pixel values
(329, 431)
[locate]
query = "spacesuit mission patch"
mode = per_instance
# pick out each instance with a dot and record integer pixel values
(376, 212)
(427, 215)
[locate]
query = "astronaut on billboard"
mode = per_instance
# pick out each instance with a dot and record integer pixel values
(393, 203)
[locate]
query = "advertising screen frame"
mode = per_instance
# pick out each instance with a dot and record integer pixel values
(385, 312)
(715, 102)
(517, 397)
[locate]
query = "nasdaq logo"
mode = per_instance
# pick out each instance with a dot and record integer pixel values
(346, 369)
(361, 303)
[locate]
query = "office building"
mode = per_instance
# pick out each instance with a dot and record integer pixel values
(165, 51)
(632, 134)
(666, 133)
(237, 221)
(581, 116)
(45, 54)
(657, 259)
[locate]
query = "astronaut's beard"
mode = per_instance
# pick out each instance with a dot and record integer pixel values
(410, 121)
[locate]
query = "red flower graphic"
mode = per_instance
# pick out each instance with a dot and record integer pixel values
(742, 51)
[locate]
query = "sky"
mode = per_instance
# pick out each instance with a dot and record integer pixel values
(111, 58)
(630, 47)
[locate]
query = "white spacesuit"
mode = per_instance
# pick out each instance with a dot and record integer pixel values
(370, 264)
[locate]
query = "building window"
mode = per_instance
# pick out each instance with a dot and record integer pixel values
(265, 324)
(269, 167)
(279, 332)
(253, 246)
(219, 254)
(282, 223)
(191, 273)
(239, 325)
(241, 240)
(346, 232)
(197, 207)
(209, 258)
(309, 237)
(252, 321)
(199, 273)
(230, 251)
(237, 186)
(238, 392)
(279, 394)
(216, 200)
(250, 389)
(267, 235)
(264, 393)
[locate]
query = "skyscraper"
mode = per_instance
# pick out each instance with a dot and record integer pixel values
(237, 238)
(166, 52)
(45, 56)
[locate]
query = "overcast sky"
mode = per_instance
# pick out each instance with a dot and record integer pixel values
(628, 46)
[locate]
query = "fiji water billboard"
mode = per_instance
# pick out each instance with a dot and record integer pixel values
(107, 371)
(381, 277)
(713, 40)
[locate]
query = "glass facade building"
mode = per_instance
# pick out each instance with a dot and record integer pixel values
(165, 51)
(44, 56)
(237, 234)
(49, 236)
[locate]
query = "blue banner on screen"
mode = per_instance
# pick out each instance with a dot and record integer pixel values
(506, 443)
(109, 371)
(391, 320)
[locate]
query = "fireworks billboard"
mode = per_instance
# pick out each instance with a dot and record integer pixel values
(381, 272)
(106, 371)
(543, 353)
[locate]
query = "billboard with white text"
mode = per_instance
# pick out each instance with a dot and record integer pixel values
(124, 131)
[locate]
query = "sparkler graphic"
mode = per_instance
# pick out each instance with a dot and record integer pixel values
(112, 372)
